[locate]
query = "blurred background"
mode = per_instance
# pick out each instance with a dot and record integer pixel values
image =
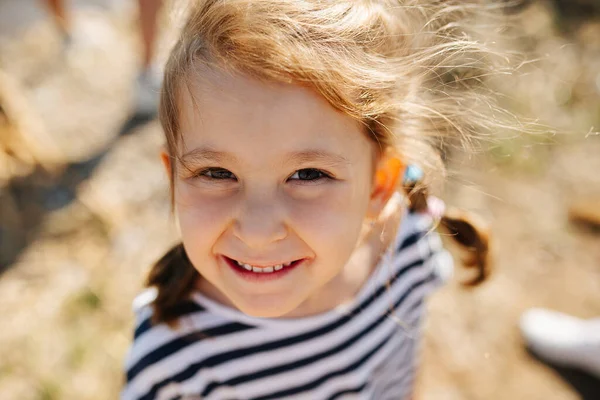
(84, 203)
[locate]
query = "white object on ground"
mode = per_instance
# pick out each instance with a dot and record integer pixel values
(562, 339)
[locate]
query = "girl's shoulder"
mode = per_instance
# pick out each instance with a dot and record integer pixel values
(158, 347)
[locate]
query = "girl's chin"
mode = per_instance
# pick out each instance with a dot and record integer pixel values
(267, 308)
(257, 305)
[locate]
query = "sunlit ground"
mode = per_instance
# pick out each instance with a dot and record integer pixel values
(79, 233)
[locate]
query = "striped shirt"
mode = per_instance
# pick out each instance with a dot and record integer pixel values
(364, 350)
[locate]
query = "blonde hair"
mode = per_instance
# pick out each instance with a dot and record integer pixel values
(399, 67)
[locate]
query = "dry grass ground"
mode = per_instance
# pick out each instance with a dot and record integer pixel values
(91, 221)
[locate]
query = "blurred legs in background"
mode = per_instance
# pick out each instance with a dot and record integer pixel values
(57, 7)
(148, 13)
(562, 339)
(149, 78)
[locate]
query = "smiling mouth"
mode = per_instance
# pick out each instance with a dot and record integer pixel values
(262, 269)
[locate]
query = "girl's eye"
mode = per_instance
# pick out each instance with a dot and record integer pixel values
(216, 174)
(309, 174)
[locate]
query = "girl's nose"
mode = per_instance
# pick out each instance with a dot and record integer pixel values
(259, 223)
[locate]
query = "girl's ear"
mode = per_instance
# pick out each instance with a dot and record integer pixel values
(166, 160)
(388, 171)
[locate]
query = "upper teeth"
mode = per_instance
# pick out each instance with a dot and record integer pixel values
(263, 269)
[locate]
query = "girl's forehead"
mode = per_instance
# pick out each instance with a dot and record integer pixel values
(214, 89)
(220, 109)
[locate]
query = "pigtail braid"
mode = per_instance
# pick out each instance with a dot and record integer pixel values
(473, 235)
(174, 276)
(467, 229)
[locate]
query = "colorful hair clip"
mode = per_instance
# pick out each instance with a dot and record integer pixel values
(412, 174)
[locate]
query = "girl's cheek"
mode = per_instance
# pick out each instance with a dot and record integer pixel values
(201, 207)
(335, 213)
(189, 194)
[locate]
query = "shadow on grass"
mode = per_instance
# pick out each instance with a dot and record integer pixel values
(25, 200)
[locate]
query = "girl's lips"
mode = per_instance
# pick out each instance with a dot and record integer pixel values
(259, 274)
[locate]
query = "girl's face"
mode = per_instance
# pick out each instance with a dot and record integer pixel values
(273, 179)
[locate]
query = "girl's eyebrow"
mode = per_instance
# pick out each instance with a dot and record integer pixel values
(205, 154)
(316, 155)
(297, 157)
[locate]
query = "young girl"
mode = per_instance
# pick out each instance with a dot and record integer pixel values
(303, 270)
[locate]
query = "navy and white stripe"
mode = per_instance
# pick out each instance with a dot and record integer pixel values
(365, 351)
